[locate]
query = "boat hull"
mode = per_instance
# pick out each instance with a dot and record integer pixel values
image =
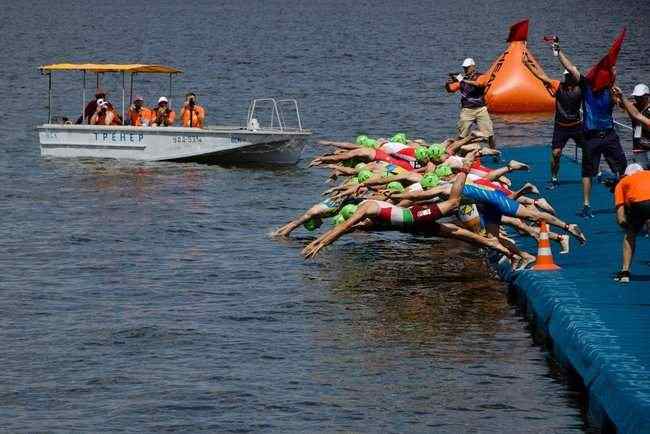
(228, 145)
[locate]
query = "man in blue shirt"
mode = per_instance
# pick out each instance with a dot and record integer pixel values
(598, 123)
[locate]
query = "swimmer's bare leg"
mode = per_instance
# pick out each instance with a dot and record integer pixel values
(450, 230)
(533, 232)
(534, 214)
(540, 203)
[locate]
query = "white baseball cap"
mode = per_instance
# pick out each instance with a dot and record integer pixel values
(468, 62)
(162, 99)
(632, 169)
(640, 90)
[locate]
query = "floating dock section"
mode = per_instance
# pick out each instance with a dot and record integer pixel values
(595, 327)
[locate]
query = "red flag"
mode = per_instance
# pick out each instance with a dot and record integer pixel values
(519, 31)
(601, 75)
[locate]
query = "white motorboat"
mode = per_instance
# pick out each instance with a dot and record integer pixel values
(270, 143)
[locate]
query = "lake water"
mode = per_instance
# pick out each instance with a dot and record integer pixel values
(150, 298)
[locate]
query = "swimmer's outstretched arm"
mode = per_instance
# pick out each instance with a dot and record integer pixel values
(342, 145)
(361, 153)
(423, 195)
(367, 209)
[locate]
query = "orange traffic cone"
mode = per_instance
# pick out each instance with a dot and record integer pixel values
(544, 260)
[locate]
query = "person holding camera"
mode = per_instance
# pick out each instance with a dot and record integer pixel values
(105, 114)
(163, 116)
(471, 85)
(192, 114)
(139, 114)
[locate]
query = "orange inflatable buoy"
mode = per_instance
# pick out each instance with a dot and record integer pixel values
(511, 87)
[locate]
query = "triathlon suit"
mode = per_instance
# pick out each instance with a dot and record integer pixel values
(384, 156)
(416, 218)
(399, 150)
(486, 183)
(493, 203)
(641, 141)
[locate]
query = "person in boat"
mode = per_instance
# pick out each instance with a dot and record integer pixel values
(598, 103)
(91, 107)
(568, 120)
(471, 85)
(632, 200)
(192, 114)
(639, 112)
(105, 114)
(163, 116)
(139, 114)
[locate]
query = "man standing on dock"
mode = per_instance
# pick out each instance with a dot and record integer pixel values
(471, 85)
(632, 200)
(568, 120)
(598, 123)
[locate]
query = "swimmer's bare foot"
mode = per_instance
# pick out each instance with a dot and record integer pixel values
(576, 232)
(544, 205)
(530, 188)
(526, 260)
(517, 165)
(564, 244)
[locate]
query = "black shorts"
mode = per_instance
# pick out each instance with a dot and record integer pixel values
(637, 214)
(561, 136)
(602, 144)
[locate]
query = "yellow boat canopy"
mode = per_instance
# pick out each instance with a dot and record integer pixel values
(110, 67)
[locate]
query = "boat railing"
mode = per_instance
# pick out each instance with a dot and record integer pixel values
(277, 120)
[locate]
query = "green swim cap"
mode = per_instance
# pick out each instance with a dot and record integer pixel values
(364, 175)
(422, 155)
(360, 166)
(443, 171)
(338, 219)
(369, 143)
(361, 138)
(313, 223)
(399, 138)
(429, 180)
(348, 210)
(395, 186)
(435, 151)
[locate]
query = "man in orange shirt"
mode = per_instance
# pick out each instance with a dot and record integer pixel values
(139, 114)
(192, 114)
(632, 199)
(471, 85)
(163, 116)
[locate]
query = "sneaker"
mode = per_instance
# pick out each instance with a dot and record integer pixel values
(553, 183)
(622, 276)
(586, 212)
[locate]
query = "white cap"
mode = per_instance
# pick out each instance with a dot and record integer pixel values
(468, 62)
(640, 90)
(100, 102)
(632, 169)
(162, 99)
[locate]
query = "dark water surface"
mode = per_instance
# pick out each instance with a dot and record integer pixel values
(149, 297)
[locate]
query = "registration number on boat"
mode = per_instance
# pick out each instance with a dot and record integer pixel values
(187, 139)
